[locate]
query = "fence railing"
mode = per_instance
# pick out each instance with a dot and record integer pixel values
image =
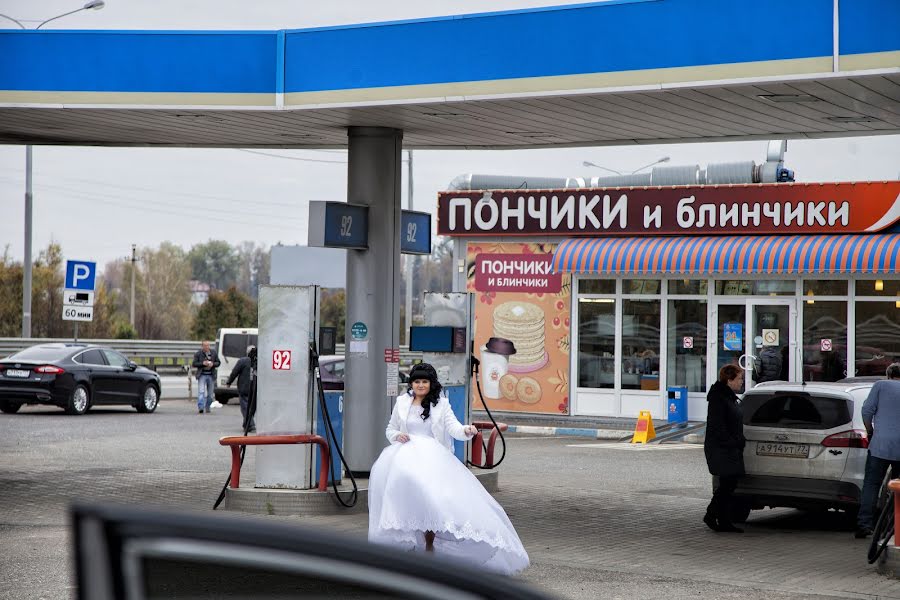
(154, 353)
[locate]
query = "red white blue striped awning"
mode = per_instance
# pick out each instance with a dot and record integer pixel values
(872, 253)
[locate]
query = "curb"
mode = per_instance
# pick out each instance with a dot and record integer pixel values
(600, 434)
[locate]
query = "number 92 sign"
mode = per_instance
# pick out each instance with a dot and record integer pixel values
(281, 360)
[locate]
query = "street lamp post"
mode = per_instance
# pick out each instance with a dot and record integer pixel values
(29, 196)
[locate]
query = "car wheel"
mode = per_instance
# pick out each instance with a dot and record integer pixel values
(79, 400)
(149, 399)
(740, 510)
(9, 407)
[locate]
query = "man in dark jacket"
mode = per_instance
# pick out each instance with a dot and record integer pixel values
(206, 361)
(243, 372)
(770, 363)
(724, 445)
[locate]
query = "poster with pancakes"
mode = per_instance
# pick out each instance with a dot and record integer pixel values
(522, 329)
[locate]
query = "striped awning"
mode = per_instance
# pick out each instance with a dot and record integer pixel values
(872, 253)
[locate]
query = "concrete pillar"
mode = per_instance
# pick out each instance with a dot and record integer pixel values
(373, 293)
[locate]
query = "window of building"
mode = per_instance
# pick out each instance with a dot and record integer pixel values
(824, 340)
(596, 342)
(877, 337)
(640, 344)
(692, 287)
(825, 287)
(640, 286)
(878, 287)
(755, 287)
(597, 286)
(687, 344)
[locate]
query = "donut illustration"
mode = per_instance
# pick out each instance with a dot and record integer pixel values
(528, 391)
(508, 385)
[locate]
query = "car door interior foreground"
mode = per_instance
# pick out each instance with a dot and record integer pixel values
(131, 553)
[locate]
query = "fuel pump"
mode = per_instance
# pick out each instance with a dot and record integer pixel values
(287, 386)
(446, 343)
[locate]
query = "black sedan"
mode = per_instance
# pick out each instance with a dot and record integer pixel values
(75, 377)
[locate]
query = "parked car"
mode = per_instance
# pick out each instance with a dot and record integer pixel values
(75, 377)
(806, 446)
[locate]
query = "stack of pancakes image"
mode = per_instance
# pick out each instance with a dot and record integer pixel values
(523, 324)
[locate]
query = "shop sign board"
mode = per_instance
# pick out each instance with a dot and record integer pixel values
(727, 209)
(532, 273)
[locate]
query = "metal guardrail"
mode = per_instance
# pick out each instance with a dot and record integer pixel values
(154, 353)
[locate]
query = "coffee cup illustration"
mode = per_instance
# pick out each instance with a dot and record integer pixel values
(494, 365)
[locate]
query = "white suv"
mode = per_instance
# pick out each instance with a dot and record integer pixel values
(806, 446)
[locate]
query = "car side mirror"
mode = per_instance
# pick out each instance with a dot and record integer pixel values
(132, 366)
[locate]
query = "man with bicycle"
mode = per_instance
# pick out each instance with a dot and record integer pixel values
(881, 409)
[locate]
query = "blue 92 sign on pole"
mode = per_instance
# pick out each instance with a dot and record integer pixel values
(415, 232)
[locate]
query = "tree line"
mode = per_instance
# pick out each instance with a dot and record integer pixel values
(170, 300)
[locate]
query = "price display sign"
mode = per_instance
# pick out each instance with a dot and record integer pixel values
(338, 225)
(415, 232)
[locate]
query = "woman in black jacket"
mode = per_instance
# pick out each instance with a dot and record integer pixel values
(724, 445)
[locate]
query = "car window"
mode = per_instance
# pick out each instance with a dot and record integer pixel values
(338, 369)
(234, 345)
(795, 411)
(43, 353)
(90, 357)
(115, 359)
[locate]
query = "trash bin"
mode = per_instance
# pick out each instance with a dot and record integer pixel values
(678, 404)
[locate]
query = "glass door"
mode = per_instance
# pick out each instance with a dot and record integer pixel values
(773, 341)
(758, 336)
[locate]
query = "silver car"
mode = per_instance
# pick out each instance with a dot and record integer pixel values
(806, 446)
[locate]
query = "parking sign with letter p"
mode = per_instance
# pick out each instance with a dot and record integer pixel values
(80, 275)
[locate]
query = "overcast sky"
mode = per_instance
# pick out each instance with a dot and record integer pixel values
(96, 202)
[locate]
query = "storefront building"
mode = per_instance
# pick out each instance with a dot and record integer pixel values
(611, 296)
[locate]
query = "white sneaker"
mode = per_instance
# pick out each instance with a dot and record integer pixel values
(215, 404)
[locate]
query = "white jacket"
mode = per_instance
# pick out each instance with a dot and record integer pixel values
(444, 425)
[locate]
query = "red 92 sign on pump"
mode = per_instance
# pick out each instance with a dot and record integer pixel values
(281, 360)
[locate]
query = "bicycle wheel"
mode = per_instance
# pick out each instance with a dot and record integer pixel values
(883, 532)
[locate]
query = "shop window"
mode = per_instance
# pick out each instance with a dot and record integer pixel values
(640, 286)
(761, 287)
(877, 337)
(640, 344)
(827, 287)
(824, 340)
(597, 286)
(687, 344)
(692, 287)
(596, 342)
(878, 287)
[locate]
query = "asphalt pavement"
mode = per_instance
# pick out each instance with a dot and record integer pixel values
(599, 520)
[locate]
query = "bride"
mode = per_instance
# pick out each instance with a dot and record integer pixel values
(422, 497)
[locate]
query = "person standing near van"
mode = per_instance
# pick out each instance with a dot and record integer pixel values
(243, 372)
(206, 361)
(881, 416)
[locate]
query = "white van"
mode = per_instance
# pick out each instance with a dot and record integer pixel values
(231, 344)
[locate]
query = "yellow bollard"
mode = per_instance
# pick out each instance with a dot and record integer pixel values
(643, 431)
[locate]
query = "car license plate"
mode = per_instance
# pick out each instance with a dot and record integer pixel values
(17, 373)
(786, 450)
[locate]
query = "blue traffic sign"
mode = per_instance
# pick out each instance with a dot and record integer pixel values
(415, 232)
(80, 275)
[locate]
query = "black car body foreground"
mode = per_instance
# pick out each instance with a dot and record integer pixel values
(75, 377)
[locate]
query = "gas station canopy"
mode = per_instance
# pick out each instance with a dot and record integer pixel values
(615, 72)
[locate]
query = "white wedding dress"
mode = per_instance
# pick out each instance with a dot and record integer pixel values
(419, 486)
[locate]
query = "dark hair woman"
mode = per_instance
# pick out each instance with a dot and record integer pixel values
(724, 445)
(421, 497)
